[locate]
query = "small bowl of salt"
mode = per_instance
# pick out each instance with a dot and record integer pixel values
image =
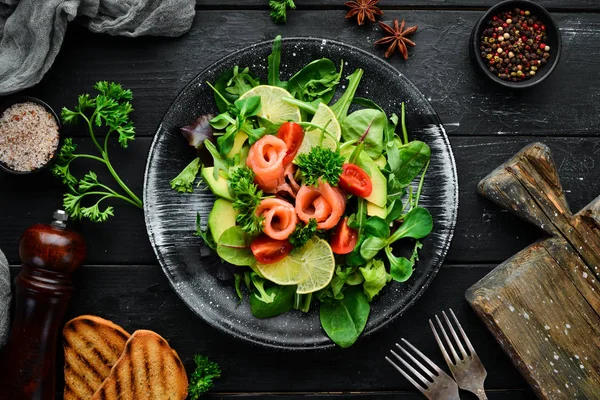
(29, 135)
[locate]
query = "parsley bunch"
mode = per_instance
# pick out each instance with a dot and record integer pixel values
(279, 10)
(202, 379)
(303, 234)
(247, 199)
(110, 109)
(320, 163)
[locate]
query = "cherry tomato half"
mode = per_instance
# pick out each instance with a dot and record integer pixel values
(344, 238)
(268, 251)
(355, 180)
(292, 134)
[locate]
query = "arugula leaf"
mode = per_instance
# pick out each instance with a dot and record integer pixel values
(376, 277)
(344, 320)
(240, 81)
(279, 10)
(219, 162)
(204, 235)
(274, 61)
(183, 183)
(340, 108)
(320, 163)
(247, 199)
(203, 377)
(110, 108)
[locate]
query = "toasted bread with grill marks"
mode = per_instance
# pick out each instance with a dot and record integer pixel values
(148, 369)
(92, 346)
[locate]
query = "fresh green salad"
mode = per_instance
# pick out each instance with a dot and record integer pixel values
(311, 194)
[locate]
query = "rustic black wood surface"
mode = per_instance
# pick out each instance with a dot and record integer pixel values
(123, 282)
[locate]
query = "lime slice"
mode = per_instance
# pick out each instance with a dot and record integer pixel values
(312, 136)
(271, 106)
(310, 267)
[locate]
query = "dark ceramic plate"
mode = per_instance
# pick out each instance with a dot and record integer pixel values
(170, 217)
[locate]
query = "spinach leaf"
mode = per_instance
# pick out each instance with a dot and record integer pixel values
(413, 158)
(344, 320)
(376, 226)
(221, 93)
(274, 60)
(367, 103)
(340, 108)
(354, 259)
(371, 246)
(355, 125)
(395, 210)
(401, 268)
(317, 80)
(234, 247)
(376, 277)
(417, 224)
(283, 301)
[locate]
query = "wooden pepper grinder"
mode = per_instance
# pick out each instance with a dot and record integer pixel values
(49, 254)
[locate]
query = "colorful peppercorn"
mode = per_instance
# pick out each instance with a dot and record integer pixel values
(513, 44)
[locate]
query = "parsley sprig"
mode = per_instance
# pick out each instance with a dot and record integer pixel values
(279, 10)
(109, 109)
(303, 234)
(320, 163)
(202, 379)
(247, 199)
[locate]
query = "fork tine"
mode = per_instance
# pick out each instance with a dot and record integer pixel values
(408, 377)
(423, 356)
(450, 346)
(424, 380)
(418, 363)
(463, 334)
(455, 336)
(440, 344)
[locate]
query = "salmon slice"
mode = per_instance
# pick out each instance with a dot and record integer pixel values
(324, 203)
(280, 218)
(266, 160)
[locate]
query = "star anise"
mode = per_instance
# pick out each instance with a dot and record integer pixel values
(397, 37)
(362, 9)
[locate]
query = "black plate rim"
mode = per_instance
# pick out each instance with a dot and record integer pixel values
(443, 248)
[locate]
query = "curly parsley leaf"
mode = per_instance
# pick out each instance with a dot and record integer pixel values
(302, 234)
(279, 10)
(203, 377)
(247, 199)
(320, 163)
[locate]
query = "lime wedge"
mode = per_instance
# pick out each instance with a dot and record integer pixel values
(312, 136)
(271, 106)
(310, 267)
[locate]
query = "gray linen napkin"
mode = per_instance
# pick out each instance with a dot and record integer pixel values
(4, 299)
(32, 31)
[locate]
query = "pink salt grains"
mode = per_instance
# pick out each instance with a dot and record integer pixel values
(28, 137)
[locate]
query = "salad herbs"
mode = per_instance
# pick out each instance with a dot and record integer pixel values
(110, 110)
(319, 164)
(247, 199)
(379, 222)
(203, 377)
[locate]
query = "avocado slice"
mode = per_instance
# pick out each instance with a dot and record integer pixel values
(240, 139)
(221, 218)
(379, 194)
(375, 210)
(218, 186)
(380, 161)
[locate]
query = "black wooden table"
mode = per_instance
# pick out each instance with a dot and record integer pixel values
(122, 281)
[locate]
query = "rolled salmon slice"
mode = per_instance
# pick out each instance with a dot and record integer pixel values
(280, 218)
(324, 203)
(266, 160)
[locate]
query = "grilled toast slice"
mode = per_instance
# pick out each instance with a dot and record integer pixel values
(92, 346)
(148, 369)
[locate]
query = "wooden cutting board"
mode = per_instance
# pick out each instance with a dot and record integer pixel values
(543, 304)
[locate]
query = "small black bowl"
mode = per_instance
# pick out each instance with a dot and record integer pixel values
(24, 99)
(553, 41)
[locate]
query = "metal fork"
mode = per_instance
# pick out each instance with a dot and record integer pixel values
(468, 371)
(438, 386)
